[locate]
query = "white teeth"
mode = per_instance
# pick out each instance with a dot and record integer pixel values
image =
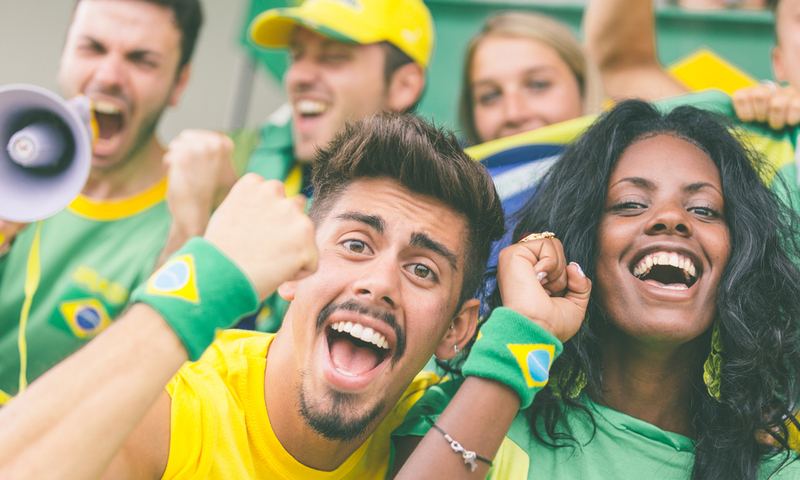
(673, 260)
(106, 107)
(310, 107)
(365, 334)
(665, 258)
(357, 329)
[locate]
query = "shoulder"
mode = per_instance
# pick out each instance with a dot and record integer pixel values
(228, 353)
(209, 397)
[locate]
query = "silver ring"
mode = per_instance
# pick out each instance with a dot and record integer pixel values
(772, 86)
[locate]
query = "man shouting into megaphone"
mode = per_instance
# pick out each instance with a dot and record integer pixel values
(64, 280)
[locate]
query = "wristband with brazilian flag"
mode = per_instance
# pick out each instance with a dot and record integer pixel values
(197, 291)
(513, 350)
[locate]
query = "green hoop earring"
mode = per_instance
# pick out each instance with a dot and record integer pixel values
(713, 364)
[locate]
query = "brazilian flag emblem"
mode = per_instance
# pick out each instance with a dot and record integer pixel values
(534, 361)
(176, 279)
(86, 317)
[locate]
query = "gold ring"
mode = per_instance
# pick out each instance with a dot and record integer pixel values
(537, 236)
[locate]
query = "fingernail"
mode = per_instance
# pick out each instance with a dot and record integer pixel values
(580, 270)
(541, 276)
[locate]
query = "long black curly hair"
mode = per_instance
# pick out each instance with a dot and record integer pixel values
(758, 300)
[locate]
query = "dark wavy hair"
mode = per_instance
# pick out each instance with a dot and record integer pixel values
(758, 300)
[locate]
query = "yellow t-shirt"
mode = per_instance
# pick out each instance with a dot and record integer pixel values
(220, 428)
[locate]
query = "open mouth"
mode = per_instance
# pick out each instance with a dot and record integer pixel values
(110, 119)
(355, 349)
(667, 270)
(310, 108)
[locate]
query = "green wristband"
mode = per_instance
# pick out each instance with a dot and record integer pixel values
(513, 350)
(197, 291)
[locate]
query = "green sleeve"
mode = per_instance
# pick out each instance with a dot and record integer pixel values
(245, 142)
(431, 405)
(2, 265)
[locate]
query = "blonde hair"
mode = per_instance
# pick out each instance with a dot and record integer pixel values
(542, 29)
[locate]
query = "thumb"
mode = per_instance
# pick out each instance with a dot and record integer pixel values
(301, 201)
(579, 287)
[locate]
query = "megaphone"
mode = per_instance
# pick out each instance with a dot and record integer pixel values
(45, 151)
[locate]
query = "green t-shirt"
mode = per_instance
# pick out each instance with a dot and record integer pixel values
(623, 447)
(92, 254)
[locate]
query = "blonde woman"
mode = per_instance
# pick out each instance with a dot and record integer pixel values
(524, 71)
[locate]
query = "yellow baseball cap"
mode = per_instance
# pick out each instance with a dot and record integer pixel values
(407, 24)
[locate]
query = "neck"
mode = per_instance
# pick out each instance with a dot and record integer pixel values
(650, 382)
(143, 169)
(297, 438)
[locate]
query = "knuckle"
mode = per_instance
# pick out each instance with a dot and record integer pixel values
(778, 104)
(273, 187)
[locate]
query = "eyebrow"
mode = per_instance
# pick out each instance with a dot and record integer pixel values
(701, 185)
(648, 185)
(421, 240)
(424, 241)
(373, 221)
(138, 53)
(530, 71)
(638, 181)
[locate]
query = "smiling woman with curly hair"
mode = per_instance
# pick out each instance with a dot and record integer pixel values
(685, 352)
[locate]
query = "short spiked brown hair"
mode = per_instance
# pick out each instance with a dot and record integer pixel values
(426, 160)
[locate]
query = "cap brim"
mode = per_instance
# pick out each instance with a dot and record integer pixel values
(274, 28)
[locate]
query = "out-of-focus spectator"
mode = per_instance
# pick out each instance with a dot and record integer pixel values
(348, 61)
(132, 59)
(524, 71)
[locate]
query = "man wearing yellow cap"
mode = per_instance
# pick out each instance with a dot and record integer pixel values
(350, 59)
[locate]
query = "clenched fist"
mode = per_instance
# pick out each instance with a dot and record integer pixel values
(266, 234)
(200, 174)
(536, 281)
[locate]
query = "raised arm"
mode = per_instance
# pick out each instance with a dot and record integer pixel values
(482, 410)
(199, 174)
(72, 421)
(621, 39)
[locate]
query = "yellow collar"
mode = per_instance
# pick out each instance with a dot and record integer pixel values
(115, 209)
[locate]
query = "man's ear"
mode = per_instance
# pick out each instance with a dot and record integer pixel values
(405, 86)
(287, 290)
(777, 64)
(464, 325)
(181, 82)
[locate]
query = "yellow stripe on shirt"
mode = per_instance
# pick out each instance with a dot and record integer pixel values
(115, 209)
